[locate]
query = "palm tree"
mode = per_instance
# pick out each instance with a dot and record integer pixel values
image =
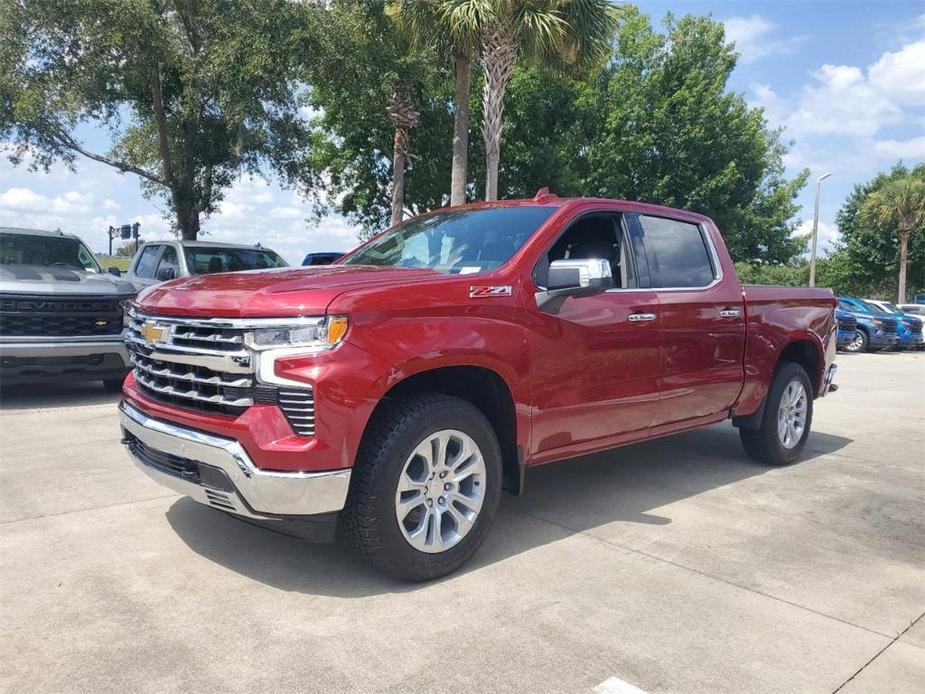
(404, 117)
(433, 23)
(569, 30)
(899, 203)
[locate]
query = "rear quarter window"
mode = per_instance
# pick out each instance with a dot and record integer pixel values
(677, 253)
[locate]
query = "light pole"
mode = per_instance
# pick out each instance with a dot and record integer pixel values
(812, 252)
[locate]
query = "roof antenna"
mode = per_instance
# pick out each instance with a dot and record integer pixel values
(542, 193)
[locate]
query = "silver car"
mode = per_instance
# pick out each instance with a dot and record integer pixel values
(159, 261)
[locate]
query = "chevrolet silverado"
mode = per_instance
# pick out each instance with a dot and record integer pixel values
(389, 398)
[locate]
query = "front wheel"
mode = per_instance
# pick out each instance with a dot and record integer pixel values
(425, 487)
(858, 342)
(785, 424)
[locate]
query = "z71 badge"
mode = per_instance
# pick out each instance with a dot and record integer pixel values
(486, 292)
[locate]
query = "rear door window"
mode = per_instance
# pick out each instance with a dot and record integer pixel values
(676, 252)
(148, 261)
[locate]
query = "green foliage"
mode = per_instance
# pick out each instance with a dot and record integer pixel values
(359, 65)
(868, 253)
(656, 124)
(192, 92)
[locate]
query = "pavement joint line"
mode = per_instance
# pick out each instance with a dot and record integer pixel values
(878, 653)
(66, 408)
(92, 508)
(708, 575)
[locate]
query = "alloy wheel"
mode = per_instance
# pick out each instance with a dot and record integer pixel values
(791, 414)
(440, 491)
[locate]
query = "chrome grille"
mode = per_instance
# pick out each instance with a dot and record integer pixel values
(204, 364)
(298, 404)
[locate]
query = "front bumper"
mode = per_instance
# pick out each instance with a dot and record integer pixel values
(218, 472)
(62, 359)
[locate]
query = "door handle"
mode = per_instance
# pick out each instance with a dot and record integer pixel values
(729, 313)
(641, 317)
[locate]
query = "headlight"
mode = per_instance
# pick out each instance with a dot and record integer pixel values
(320, 334)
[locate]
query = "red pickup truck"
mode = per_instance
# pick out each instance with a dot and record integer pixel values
(393, 395)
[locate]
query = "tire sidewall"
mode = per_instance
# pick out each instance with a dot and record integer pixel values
(449, 413)
(860, 348)
(784, 377)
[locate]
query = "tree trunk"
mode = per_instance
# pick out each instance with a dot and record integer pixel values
(461, 129)
(187, 221)
(404, 117)
(398, 175)
(499, 53)
(904, 234)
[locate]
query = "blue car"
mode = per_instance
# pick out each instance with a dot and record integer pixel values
(847, 324)
(875, 330)
(910, 327)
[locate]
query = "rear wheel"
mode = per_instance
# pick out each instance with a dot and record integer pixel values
(858, 343)
(425, 487)
(785, 424)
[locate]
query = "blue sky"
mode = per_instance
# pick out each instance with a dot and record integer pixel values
(846, 80)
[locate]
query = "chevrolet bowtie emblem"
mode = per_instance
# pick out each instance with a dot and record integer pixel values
(153, 333)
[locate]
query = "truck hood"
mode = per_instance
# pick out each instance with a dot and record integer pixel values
(270, 293)
(38, 279)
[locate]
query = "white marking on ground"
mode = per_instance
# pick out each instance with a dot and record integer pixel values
(614, 685)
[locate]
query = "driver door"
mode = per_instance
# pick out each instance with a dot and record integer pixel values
(595, 358)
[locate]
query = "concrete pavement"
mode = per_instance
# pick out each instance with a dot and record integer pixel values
(675, 566)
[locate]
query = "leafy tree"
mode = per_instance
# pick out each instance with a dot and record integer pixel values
(657, 124)
(371, 85)
(193, 92)
(899, 205)
(871, 246)
(434, 23)
(564, 30)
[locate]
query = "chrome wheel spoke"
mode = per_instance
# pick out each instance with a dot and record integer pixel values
(791, 414)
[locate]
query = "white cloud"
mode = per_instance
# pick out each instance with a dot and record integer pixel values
(25, 199)
(913, 148)
(901, 75)
(287, 213)
(110, 204)
(828, 235)
(753, 38)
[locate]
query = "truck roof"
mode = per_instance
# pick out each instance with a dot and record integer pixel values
(210, 244)
(543, 197)
(35, 232)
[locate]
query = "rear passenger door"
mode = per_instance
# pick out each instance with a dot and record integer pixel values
(702, 320)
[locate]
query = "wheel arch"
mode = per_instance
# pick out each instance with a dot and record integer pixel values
(484, 388)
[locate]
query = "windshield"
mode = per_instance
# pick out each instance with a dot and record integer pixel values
(872, 308)
(457, 242)
(205, 261)
(46, 251)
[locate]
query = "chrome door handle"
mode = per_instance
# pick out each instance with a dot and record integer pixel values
(641, 317)
(729, 313)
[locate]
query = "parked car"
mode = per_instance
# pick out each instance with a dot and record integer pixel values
(61, 316)
(910, 327)
(397, 392)
(914, 309)
(847, 325)
(321, 258)
(875, 329)
(159, 261)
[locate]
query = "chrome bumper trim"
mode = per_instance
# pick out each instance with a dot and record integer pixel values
(260, 494)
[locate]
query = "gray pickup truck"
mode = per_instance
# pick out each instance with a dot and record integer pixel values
(61, 315)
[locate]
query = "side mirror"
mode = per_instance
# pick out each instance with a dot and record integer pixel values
(565, 278)
(114, 271)
(166, 273)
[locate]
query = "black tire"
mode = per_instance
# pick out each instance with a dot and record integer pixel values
(859, 343)
(764, 444)
(113, 385)
(368, 522)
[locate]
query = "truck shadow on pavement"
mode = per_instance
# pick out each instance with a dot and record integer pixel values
(562, 499)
